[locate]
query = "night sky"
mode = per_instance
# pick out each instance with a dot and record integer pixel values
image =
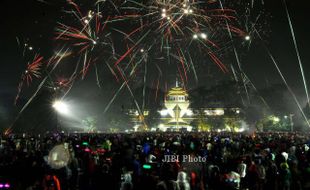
(34, 22)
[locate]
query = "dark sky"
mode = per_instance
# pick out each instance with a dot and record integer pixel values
(34, 22)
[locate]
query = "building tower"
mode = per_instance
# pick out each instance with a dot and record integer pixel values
(176, 115)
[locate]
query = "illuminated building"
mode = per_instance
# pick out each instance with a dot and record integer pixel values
(176, 116)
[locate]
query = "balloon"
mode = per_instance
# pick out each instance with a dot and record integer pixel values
(58, 157)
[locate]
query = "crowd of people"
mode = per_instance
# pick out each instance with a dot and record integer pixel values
(159, 161)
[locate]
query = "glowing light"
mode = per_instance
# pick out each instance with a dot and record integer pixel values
(215, 112)
(136, 113)
(60, 107)
(141, 50)
(238, 111)
(239, 130)
(168, 17)
(188, 11)
(86, 21)
(189, 128)
(219, 112)
(30, 48)
(163, 15)
(203, 36)
(136, 128)
(189, 112)
(276, 119)
(162, 127)
(146, 166)
(164, 10)
(195, 36)
(164, 112)
(247, 37)
(90, 14)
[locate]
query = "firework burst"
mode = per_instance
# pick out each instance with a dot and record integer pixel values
(175, 31)
(88, 37)
(32, 71)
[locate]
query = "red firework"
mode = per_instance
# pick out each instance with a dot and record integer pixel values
(32, 71)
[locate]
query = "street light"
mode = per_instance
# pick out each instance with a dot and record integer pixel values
(61, 107)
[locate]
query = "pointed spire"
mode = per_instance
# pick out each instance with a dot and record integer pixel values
(176, 82)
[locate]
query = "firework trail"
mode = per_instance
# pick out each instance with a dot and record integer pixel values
(247, 80)
(167, 29)
(162, 34)
(297, 51)
(236, 54)
(251, 17)
(85, 41)
(284, 80)
(144, 87)
(164, 30)
(42, 83)
(124, 84)
(60, 84)
(32, 71)
(174, 27)
(89, 37)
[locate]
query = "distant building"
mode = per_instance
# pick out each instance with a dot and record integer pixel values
(177, 115)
